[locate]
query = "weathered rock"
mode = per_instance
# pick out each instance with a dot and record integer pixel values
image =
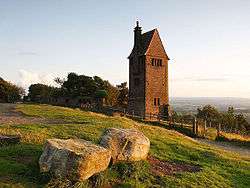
(75, 159)
(126, 144)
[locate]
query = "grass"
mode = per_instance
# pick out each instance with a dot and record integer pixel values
(236, 139)
(19, 167)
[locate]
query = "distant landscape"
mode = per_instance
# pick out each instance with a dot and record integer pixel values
(190, 104)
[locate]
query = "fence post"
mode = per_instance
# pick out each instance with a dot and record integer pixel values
(205, 127)
(197, 127)
(169, 122)
(194, 125)
(218, 129)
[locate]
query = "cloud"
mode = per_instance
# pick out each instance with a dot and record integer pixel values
(26, 78)
(28, 53)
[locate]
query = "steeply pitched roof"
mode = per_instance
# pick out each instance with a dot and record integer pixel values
(146, 39)
(144, 43)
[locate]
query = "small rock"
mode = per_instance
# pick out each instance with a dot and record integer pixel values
(75, 159)
(126, 144)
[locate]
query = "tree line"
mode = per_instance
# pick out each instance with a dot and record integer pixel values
(81, 87)
(229, 120)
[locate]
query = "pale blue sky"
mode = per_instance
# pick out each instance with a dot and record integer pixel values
(208, 41)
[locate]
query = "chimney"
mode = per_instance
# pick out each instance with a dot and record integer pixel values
(137, 35)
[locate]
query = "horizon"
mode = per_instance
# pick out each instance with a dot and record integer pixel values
(209, 53)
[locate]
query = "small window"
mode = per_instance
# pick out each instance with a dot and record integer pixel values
(159, 102)
(155, 102)
(156, 62)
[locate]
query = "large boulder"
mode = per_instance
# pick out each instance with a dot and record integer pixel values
(74, 159)
(125, 144)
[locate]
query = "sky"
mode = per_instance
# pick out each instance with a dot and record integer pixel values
(208, 42)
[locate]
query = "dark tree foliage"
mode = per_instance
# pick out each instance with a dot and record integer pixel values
(208, 112)
(95, 87)
(101, 94)
(59, 81)
(10, 92)
(235, 122)
(81, 86)
(229, 120)
(123, 94)
(39, 92)
(112, 95)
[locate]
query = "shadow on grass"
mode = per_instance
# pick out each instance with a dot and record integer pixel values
(20, 164)
(184, 130)
(241, 143)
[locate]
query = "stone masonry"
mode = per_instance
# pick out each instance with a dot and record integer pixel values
(148, 75)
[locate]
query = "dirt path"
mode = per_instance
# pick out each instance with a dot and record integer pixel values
(9, 115)
(5, 107)
(243, 151)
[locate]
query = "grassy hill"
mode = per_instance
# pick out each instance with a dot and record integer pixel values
(19, 167)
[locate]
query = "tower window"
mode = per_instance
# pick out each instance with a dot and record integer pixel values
(157, 102)
(156, 62)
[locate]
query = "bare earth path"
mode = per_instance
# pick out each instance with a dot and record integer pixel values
(243, 151)
(8, 115)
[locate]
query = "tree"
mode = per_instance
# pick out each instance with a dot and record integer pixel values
(100, 94)
(10, 92)
(41, 93)
(79, 86)
(100, 83)
(59, 81)
(242, 124)
(208, 112)
(123, 95)
(235, 122)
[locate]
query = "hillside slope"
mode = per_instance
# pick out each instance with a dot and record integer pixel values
(18, 164)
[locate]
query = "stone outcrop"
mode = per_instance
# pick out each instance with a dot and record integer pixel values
(125, 144)
(74, 159)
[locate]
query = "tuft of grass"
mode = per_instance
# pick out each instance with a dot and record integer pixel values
(210, 134)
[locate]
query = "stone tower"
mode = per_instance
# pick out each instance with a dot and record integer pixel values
(148, 75)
